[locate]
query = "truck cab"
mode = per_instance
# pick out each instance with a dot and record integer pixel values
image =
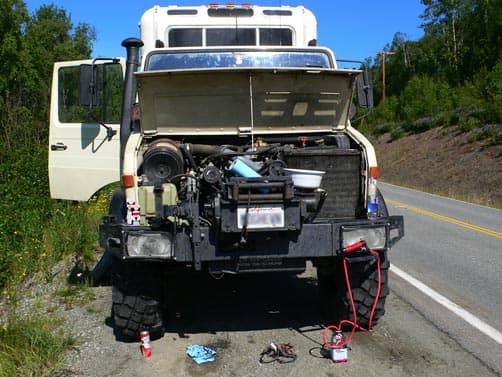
(235, 154)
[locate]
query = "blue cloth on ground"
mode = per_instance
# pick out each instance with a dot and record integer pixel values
(200, 354)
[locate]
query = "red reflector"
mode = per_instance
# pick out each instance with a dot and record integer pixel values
(374, 172)
(213, 5)
(128, 181)
(246, 5)
(230, 5)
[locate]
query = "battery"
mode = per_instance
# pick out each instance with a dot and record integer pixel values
(339, 353)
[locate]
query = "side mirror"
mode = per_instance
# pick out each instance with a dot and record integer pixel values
(88, 86)
(364, 89)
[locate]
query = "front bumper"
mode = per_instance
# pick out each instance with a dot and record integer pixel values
(208, 247)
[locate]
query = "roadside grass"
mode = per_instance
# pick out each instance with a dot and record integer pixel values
(75, 295)
(32, 347)
(36, 233)
(445, 162)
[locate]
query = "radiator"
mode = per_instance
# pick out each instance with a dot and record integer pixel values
(342, 180)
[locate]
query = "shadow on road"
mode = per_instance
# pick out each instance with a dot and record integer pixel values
(242, 303)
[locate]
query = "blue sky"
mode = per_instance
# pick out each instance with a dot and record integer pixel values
(354, 30)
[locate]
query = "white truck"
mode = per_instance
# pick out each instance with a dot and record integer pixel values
(229, 130)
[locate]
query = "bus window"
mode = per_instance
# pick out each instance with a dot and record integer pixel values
(276, 37)
(230, 37)
(188, 37)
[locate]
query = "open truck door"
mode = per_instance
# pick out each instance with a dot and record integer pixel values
(84, 137)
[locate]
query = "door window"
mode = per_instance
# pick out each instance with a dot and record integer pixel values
(109, 85)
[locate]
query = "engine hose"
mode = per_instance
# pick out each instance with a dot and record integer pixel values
(185, 149)
(351, 248)
(207, 149)
(228, 153)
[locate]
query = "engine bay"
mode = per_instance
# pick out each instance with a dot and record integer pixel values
(275, 183)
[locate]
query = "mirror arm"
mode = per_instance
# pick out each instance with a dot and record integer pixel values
(110, 132)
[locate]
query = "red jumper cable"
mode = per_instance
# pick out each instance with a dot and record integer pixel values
(361, 245)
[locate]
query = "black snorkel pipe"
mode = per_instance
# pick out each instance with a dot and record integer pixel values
(132, 46)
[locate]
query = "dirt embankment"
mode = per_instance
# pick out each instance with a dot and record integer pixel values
(443, 162)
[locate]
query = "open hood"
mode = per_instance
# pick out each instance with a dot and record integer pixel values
(234, 101)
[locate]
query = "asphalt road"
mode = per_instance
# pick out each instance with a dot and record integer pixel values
(455, 248)
(240, 315)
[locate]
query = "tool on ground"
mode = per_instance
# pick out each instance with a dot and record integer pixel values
(282, 353)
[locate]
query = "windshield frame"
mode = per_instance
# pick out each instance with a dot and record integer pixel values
(234, 53)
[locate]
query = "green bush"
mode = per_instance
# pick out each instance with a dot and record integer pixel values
(468, 123)
(442, 120)
(420, 125)
(494, 90)
(385, 112)
(492, 135)
(481, 97)
(424, 97)
(397, 133)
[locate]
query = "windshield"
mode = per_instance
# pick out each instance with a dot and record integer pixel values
(237, 59)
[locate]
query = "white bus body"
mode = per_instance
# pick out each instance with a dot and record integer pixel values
(225, 25)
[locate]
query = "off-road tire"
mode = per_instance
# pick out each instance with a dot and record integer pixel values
(137, 302)
(334, 297)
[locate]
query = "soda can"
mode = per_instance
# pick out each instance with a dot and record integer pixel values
(146, 346)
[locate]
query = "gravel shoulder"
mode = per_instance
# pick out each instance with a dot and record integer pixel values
(238, 316)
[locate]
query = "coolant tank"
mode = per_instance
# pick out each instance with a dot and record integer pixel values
(146, 199)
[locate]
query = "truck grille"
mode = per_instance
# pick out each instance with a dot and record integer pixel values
(342, 180)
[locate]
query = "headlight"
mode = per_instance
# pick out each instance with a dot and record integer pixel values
(375, 237)
(156, 245)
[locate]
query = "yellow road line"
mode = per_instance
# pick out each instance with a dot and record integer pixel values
(451, 220)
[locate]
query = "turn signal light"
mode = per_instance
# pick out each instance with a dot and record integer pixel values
(374, 172)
